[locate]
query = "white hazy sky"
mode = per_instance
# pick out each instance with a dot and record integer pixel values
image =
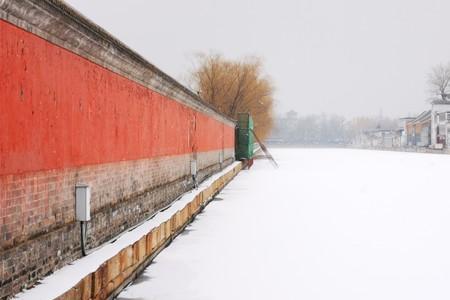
(349, 57)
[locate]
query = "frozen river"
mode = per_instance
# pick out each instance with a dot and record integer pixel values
(328, 224)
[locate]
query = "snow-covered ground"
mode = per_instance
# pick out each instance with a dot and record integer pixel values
(328, 224)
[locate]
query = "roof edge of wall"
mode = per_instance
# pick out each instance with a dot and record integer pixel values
(59, 23)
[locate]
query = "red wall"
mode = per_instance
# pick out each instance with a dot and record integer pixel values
(60, 110)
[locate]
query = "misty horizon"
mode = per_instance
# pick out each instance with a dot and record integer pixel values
(350, 58)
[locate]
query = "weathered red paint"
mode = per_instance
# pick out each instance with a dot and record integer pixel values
(60, 110)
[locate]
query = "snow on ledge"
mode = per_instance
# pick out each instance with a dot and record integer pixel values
(64, 279)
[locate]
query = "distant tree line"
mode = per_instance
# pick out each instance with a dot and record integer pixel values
(323, 129)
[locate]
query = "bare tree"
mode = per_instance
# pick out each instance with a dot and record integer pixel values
(439, 82)
(234, 86)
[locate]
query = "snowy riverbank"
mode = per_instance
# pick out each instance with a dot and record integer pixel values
(328, 224)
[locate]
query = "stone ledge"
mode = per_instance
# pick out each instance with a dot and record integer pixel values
(117, 271)
(21, 265)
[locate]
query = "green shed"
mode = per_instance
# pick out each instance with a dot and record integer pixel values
(244, 137)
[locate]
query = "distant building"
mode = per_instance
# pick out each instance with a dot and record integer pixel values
(402, 130)
(418, 130)
(440, 124)
(430, 129)
(384, 138)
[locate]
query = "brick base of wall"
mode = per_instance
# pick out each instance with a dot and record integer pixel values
(37, 240)
(114, 271)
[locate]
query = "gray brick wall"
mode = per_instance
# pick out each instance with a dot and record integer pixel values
(43, 234)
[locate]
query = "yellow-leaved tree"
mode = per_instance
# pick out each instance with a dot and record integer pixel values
(235, 86)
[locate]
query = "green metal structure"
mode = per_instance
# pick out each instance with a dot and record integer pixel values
(244, 137)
